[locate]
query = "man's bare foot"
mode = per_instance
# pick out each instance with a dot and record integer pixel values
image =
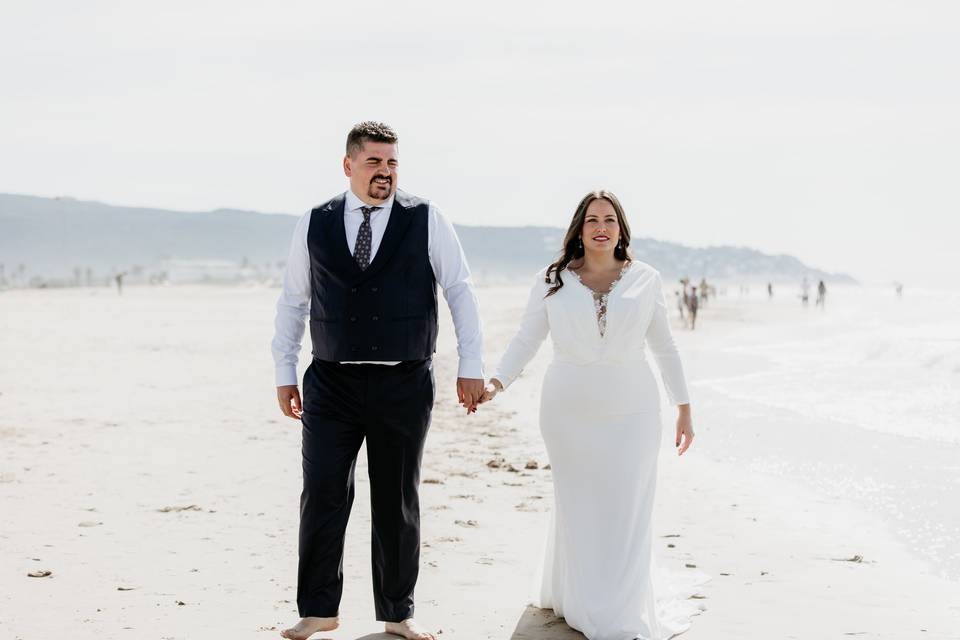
(409, 629)
(309, 626)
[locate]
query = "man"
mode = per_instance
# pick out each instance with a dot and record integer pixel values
(364, 267)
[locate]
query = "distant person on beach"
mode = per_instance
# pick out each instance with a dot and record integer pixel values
(363, 269)
(685, 295)
(899, 289)
(692, 306)
(769, 289)
(679, 298)
(704, 291)
(600, 421)
(821, 294)
(119, 280)
(805, 292)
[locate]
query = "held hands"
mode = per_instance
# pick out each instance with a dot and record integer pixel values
(684, 429)
(484, 393)
(469, 392)
(289, 398)
(490, 391)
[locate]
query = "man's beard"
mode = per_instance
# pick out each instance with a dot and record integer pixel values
(376, 191)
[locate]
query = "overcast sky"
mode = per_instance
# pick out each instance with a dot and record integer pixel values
(827, 129)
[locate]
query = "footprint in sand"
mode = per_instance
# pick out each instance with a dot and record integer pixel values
(470, 524)
(189, 507)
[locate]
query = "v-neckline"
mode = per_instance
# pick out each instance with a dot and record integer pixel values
(601, 300)
(613, 283)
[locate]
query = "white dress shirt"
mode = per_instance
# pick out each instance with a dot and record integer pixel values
(449, 267)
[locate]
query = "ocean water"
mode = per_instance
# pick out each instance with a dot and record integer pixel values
(868, 359)
(859, 400)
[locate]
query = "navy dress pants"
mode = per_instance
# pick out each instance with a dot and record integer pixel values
(343, 404)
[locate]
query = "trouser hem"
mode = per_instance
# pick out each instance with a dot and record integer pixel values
(398, 615)
(317, 612)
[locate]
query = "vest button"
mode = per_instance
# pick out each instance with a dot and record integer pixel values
(374, 289)
(353, 290)
(375, 318)
(353, 318)
(374, 348)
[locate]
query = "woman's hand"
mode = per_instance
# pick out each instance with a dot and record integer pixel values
(490, 391)
(684, 429)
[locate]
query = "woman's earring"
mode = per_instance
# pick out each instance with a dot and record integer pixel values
(580, 242)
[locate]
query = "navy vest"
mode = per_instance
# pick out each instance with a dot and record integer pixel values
(387, 311)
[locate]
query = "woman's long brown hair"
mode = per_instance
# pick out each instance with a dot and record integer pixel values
(573, 247)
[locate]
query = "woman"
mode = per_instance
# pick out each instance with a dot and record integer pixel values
(600, 420)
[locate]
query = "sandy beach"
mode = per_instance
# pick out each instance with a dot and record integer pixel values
(144, 464)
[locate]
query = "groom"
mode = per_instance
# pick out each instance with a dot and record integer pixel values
(364, 268)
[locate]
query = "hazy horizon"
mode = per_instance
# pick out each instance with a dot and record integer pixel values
(824, 131)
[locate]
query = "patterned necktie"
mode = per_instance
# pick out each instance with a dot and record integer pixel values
(361, 251)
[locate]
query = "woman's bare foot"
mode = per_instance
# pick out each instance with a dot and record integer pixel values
(309, 626)
(409, 629)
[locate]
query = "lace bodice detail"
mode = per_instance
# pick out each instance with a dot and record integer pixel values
(600, 298)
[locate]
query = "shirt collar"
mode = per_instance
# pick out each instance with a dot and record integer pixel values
(353, 203)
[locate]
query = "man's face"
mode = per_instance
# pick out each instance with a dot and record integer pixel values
(373, 171)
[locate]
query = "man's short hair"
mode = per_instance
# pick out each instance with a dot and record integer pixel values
(369, 130)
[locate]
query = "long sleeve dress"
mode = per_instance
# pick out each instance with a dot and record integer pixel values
(600, 420)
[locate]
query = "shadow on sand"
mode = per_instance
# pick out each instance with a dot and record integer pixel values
(541, 624)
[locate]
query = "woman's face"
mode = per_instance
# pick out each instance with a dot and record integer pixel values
(601, 231)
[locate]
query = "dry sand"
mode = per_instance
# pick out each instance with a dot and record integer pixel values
(144, 463)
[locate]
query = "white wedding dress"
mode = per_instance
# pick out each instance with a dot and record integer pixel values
(600, 420)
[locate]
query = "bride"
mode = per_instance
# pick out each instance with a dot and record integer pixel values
(600, 420)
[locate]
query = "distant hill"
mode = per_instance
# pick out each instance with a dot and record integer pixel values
(56, 240)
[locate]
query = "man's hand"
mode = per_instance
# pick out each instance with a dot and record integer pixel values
(289, 398)
(469, 392)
